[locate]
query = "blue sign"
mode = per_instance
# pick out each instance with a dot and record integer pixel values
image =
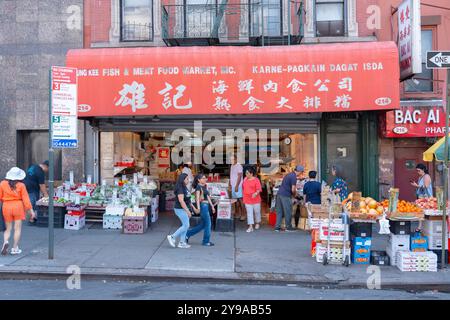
(65, 143)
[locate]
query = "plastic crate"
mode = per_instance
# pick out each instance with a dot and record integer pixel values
(361, 229)
(379, 258)
(135, 225)
(58, 216)
(400, 227)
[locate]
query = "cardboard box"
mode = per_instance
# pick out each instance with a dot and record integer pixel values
(303, 224)
(435, 242)
(224, 210)
(135, 225)
(432, 227)
(398, 243)
(336, 253)
(112, 222)
(336, 231)
(418, 243)
(74, 222)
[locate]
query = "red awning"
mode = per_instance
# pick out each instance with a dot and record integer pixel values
(237, 80)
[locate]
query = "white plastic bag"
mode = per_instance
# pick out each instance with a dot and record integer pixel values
(384, 225)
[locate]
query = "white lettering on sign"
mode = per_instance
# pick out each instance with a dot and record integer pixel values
(408, 116)
(433, 117)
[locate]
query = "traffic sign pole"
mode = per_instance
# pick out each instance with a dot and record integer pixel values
(51, 153)
(444, 212)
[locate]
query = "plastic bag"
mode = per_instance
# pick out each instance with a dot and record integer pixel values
(384, 225)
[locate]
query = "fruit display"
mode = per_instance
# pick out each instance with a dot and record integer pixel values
(404, 209)
(427, 203)
(367, 208)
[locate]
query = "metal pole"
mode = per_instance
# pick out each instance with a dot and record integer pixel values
(50, 174)
(262, 22)
(289, 22)
(444, 212)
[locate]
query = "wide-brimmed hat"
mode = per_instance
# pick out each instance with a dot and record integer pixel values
(15, 174)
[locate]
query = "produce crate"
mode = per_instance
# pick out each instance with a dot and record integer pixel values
(433, 227)
(435, 242)
(400, 227)
(397, 243)
(135, 225)
(417, 261)
(336, 253)
(418, 243)
(58, 216)
(379, 258)
(74, 222)
(112, 222)
(361, 229)
(361, 250)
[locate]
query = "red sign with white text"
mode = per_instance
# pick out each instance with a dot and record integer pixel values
(411, 122)
(236, 80)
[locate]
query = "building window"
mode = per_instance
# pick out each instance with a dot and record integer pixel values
(136, 20)
(417, 84)
(330, 18)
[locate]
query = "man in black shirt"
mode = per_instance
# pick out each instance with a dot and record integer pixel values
(312, 189)
(35, 182)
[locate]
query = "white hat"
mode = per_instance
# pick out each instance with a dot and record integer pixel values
(15, 174)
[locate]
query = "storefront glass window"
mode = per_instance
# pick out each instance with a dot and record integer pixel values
(422, 82)
(330, 18)
(137, 20)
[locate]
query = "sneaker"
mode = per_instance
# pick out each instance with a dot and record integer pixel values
(5, 249)
(208, 244)
(187, 240)
(250, 229)
(171, 240)
(290, 229)
(257, 226)
(277, 229)
(183, 245)
(16, 251)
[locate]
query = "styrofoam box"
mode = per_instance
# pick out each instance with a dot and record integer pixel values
(112, 222)
(392, 256)
(336, 230)
(336, 253)
(435, 242)
(432, 227)
(74, 222)
(397, 242)
(417, 261)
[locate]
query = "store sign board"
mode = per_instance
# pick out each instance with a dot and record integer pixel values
(64, 107)
(163, 157)
(238, 80)
(409, 35)
(415, 122)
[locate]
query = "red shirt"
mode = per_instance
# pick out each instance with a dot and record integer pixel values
(249, 187)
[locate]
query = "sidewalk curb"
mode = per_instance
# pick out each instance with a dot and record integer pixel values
(223, 278)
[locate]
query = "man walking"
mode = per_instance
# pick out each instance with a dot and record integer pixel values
(287, 191)
(35, 182)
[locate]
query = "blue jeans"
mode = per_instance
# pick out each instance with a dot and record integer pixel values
(34, 197)
(181, 232)
(205, 224)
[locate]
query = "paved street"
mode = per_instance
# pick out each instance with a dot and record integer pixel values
(93, 290)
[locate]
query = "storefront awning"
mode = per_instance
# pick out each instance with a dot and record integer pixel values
(236, 80)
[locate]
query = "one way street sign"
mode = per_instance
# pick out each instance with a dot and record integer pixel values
(438, 59)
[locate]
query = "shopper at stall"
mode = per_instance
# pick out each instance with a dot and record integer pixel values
(182, 208)
(187, 170)
(35, 182)
(339, 186)
(236, 179)
(251, 189)
(203, 203)
(15, 203)
(286, 192)
(424, 187)
(312, 189)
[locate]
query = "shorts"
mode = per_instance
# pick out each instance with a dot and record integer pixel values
(236, 195)
(13, 211)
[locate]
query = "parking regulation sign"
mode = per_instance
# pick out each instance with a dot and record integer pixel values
(64, 107)
(438, 59)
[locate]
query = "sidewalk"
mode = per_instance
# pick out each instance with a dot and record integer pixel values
(263, 255)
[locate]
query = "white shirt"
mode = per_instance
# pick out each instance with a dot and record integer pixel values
(188, 171)
(234, 172)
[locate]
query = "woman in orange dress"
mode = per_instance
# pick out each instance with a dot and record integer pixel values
(15, 202)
